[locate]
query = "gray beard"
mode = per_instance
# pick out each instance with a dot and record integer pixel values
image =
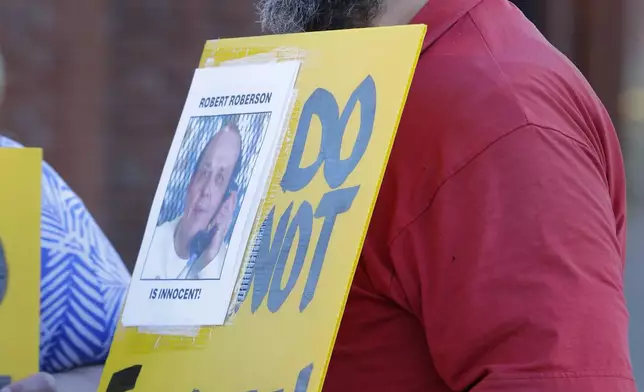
(296, 16)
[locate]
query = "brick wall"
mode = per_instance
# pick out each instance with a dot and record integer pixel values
(100, 86)
(155, 45)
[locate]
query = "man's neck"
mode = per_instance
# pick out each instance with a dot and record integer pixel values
(398, 12)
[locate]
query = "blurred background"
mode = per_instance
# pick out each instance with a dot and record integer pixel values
(100, 84)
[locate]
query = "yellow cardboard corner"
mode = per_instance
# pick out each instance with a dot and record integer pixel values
(20, 183)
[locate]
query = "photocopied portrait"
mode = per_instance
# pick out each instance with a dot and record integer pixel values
(217, 172)
(202, 200)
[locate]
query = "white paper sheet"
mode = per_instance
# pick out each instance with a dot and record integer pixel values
(210, 188)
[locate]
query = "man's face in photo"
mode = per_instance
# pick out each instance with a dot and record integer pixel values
(296, 16)
(211, 179)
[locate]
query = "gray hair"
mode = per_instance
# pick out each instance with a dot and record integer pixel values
(296, 16)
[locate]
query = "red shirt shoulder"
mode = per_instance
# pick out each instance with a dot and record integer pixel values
(479, 82)
(498, 236)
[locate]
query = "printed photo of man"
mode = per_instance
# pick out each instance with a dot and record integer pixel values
(191, 246)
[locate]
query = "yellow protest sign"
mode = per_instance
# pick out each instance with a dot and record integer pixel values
(351, 89)
(20, 174)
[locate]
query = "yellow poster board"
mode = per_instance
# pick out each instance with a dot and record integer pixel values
(20, 182)
(351, 90)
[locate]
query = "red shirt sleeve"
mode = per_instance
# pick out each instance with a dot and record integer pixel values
(516, 268)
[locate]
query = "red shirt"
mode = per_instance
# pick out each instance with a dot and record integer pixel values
(494, 260)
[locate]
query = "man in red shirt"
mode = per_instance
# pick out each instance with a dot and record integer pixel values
(495, 255)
